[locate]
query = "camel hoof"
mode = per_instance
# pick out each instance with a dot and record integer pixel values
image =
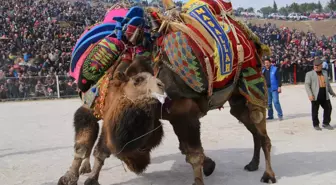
(208, 166)
(266, 178)
(252, 166)
(90, 181)
(85, 168)
(68, 179)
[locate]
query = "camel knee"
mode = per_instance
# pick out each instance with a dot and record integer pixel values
(101, 151)
(81, 151)
(257, 114)
(100, 155)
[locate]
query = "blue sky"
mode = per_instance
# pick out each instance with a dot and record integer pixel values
(262, 3)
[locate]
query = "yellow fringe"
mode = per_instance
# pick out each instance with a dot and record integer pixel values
(265, 50)
(196, 24)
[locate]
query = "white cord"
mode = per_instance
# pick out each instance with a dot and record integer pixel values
(143, 134)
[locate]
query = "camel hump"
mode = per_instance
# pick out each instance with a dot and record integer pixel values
(101, 45)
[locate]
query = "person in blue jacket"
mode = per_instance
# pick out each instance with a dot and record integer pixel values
(273, 80)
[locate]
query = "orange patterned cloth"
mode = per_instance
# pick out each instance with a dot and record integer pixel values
(99, 102)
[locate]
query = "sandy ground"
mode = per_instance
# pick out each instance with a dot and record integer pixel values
(37, 138)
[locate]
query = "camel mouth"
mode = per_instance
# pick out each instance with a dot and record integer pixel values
(149, 99)
(160, 97)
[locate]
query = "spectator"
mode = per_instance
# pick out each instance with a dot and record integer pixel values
(318, 89)
(273, 81)
(3, 92)
(40, 90)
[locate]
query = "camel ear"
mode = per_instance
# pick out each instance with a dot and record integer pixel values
(121, 76)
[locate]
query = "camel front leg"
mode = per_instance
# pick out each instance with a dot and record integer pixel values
(187, 130)
(100, 153)
(86, 128)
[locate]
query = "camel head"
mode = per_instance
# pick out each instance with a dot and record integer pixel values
(139, 87)
(141, 90)
(132, 109)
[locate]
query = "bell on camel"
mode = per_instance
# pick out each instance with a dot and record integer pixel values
(135, 36)
(154, 23)
(168, 4)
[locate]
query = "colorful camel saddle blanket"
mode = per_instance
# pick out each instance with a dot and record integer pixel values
(252, 86)
(187, 59)
(101, 45)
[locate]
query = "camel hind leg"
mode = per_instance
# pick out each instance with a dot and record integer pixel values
(254, 119)
(86, 133)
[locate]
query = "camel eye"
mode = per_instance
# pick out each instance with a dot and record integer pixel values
(138, 80)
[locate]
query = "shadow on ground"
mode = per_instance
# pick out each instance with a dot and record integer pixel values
(290, 117)
(229, 167)
(5, 149)
(298, 115)
(34, 151)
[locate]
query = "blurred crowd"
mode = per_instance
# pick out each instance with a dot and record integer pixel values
(294, 51)
(36, 39)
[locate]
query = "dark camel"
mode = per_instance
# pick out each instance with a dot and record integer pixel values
(183, 112)
(187, 107)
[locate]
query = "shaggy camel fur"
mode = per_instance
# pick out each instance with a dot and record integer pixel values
(130, 112)
(184, 114)
(187, 107)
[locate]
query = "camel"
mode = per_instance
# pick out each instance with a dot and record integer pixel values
(200, 72)
(130, 110)
(187, 107)
(205, 58)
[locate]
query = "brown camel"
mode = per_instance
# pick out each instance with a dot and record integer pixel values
(131, 112)
(182, 112)
(186, 105)
(196, 81)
